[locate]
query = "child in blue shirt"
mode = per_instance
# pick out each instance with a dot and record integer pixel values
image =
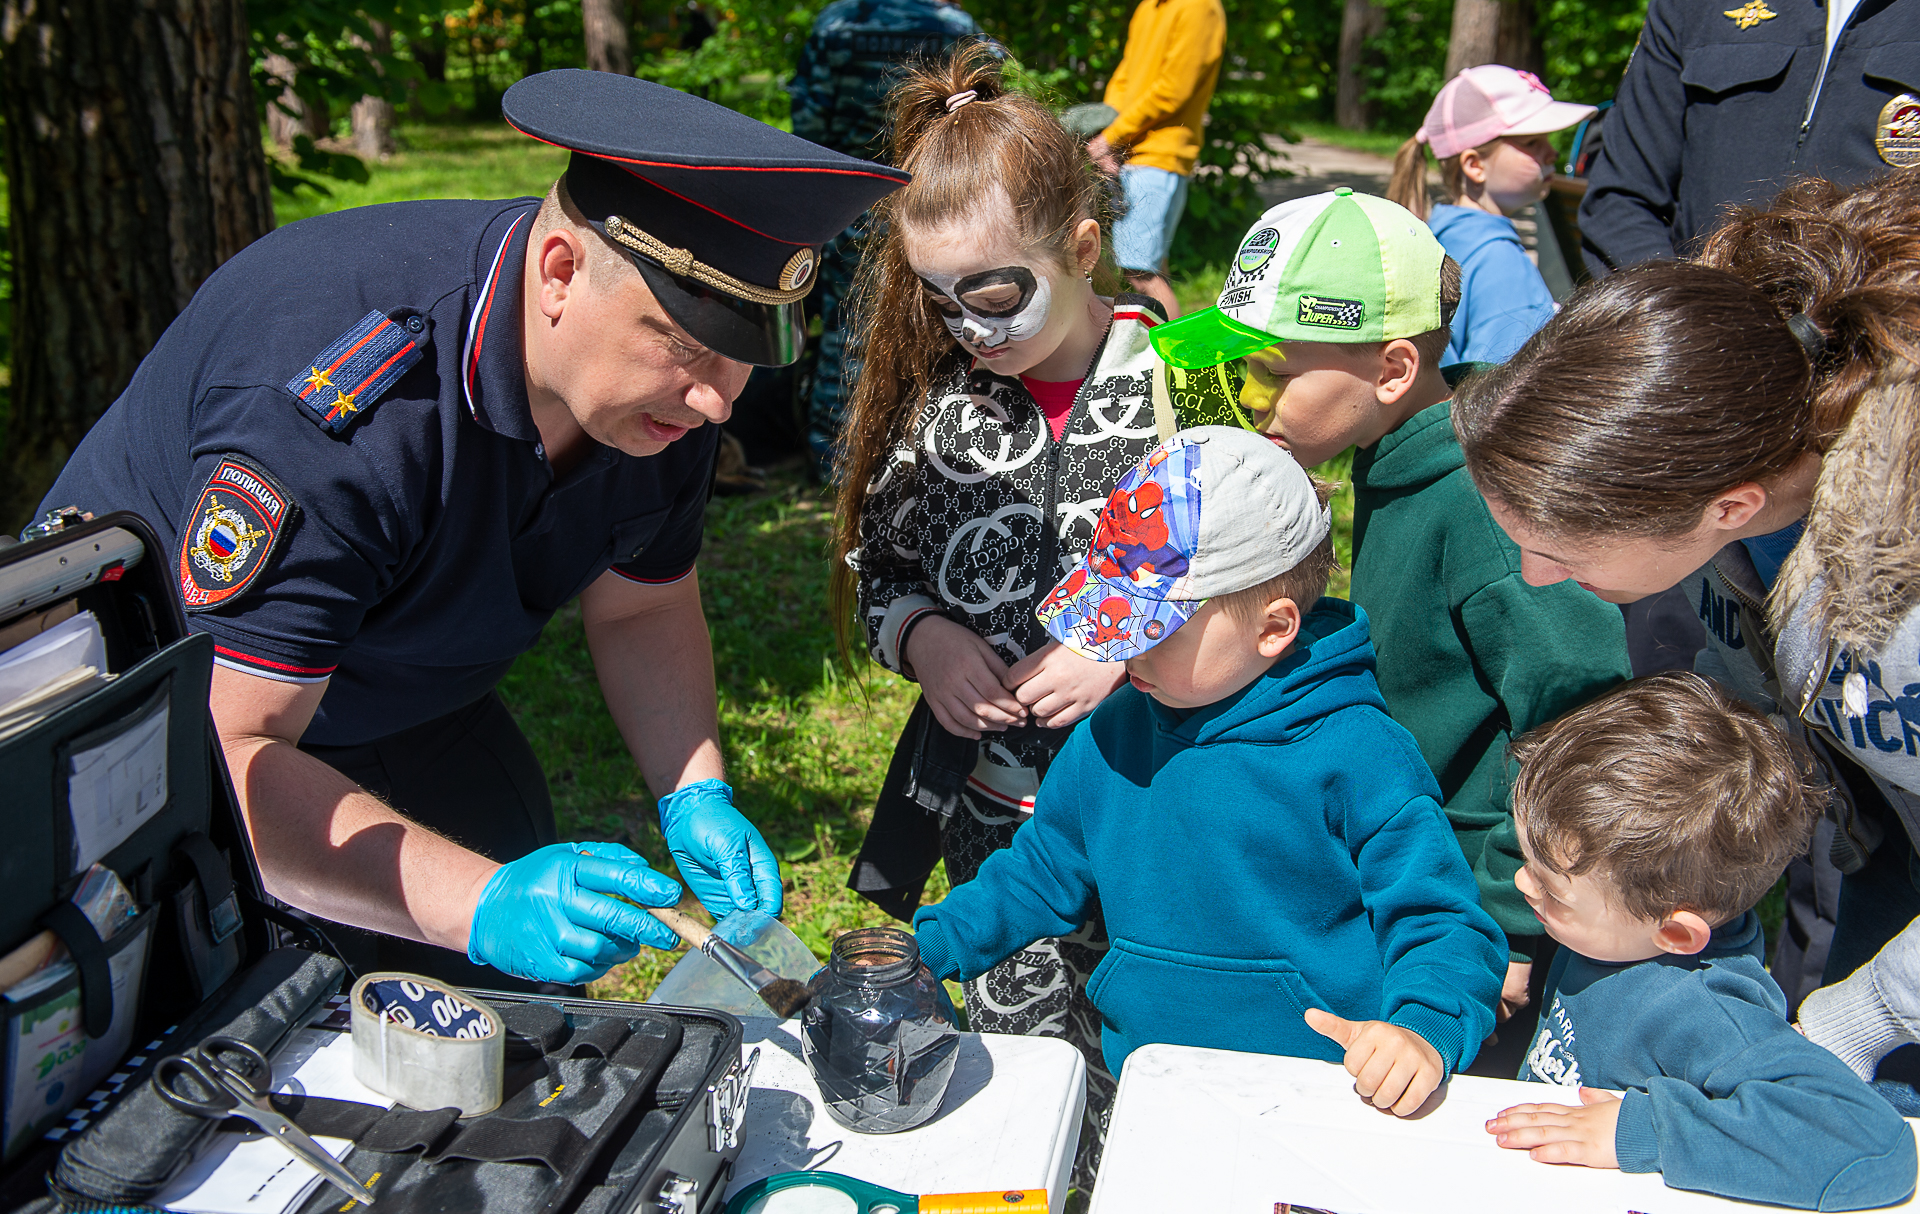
(1652, 819)
(1265, 843)
(1489, 129)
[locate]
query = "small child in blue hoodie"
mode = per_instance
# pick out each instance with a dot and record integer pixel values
(1266, 844)
(1652, 819)
(1489, 129)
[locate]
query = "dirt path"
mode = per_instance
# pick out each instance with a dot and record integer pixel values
(1318, 167)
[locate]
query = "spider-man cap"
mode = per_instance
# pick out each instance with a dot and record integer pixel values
(722, 215)
(1211, 510)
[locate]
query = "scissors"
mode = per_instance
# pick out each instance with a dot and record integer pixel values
(207, 1082)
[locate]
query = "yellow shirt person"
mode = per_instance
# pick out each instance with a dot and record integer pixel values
(1161, 89)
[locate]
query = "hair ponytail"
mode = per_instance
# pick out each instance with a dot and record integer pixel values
(1408, 185)
(999, 156)
(1849, 260)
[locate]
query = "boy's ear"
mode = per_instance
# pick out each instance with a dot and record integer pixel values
(1280, 628)
(1683, 933)
(1399, 368)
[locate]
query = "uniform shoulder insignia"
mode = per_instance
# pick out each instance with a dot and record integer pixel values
(234, 532)
(347, 378)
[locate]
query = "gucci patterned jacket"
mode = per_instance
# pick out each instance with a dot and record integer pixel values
(979, 512)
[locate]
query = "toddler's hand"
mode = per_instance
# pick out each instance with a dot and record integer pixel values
(1058, 686)
(962, 678)
(1559, 1133)
(1392, 1067)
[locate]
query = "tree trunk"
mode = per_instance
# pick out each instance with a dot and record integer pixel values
(1361, 20)
(373, 116)
(1475, 37)
(134, 168)
(291, 115)
(1519, 39)
(605, 22)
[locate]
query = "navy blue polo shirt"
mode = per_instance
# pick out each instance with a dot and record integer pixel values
(411, 557)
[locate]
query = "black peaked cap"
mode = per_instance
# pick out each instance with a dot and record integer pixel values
(741, 196)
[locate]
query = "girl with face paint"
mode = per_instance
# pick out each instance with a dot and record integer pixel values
(1003, 389)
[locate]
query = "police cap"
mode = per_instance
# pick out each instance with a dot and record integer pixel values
(723, 215)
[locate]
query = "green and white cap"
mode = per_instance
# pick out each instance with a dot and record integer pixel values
(1341, 267)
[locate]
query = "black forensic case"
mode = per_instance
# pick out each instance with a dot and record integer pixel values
(207, 951)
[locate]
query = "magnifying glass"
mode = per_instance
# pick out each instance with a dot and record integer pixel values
(832, 1193)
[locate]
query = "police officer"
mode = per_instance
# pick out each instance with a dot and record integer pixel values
(386, 445)
(1725, 100)
(839, 93)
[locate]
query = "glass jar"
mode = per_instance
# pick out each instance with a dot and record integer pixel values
(880, 1036)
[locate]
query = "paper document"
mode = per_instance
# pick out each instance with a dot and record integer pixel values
(65, 646)
(115, 786)
(252, 1174)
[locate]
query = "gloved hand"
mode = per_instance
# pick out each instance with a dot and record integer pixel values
(547, 916)
(722, 857)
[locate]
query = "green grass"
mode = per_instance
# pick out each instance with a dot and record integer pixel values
(438, 160)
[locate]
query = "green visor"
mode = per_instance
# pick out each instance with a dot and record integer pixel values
(1207, 339)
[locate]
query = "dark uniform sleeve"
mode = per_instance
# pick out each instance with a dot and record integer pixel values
(669, 555)
(1632, 193)
(345, 542)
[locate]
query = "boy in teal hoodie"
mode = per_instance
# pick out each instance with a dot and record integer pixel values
(1339, 306)
(1652, 820)
(1263, 840)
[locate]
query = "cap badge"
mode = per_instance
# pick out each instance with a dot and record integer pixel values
(1897, 134)
(1750, 14)
(799, 271)
(1331, 313)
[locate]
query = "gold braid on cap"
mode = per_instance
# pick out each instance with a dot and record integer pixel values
(681, 263)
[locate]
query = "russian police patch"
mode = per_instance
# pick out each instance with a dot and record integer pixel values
(347, 377)
(233, 533)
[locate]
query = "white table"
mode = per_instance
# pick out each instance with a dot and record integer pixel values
(1232, 1133)
(1010, 1120)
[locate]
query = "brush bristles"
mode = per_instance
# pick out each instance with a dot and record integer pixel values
(785, 997)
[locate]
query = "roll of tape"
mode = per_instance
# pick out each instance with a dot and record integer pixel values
(425, 1046)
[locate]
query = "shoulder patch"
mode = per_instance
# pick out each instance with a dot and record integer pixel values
(347, 377)
(234, 532)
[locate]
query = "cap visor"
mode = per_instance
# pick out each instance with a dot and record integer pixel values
(1553, 116)
(1111, 619)
(765, 335)
(1207, 339)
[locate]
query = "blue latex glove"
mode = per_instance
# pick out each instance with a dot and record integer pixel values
(546, 917)
(721, 856)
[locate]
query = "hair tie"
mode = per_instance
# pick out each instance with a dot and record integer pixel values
(1808, 334)
(959, 99)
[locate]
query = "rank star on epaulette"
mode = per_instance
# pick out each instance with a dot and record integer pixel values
(234, 531)
(1750, 14)
(349, 376)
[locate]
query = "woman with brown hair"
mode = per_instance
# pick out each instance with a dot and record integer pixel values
(1748, 428)
(1003, 389)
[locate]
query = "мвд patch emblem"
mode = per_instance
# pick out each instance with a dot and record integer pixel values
(233, 533)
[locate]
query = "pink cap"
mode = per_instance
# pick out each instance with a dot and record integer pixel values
(1483, 103)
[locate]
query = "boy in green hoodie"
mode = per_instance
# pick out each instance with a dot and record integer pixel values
(1339, 304)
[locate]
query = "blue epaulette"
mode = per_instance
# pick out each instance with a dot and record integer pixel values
(348, 377)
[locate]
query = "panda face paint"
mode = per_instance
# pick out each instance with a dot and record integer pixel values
(989, 309)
